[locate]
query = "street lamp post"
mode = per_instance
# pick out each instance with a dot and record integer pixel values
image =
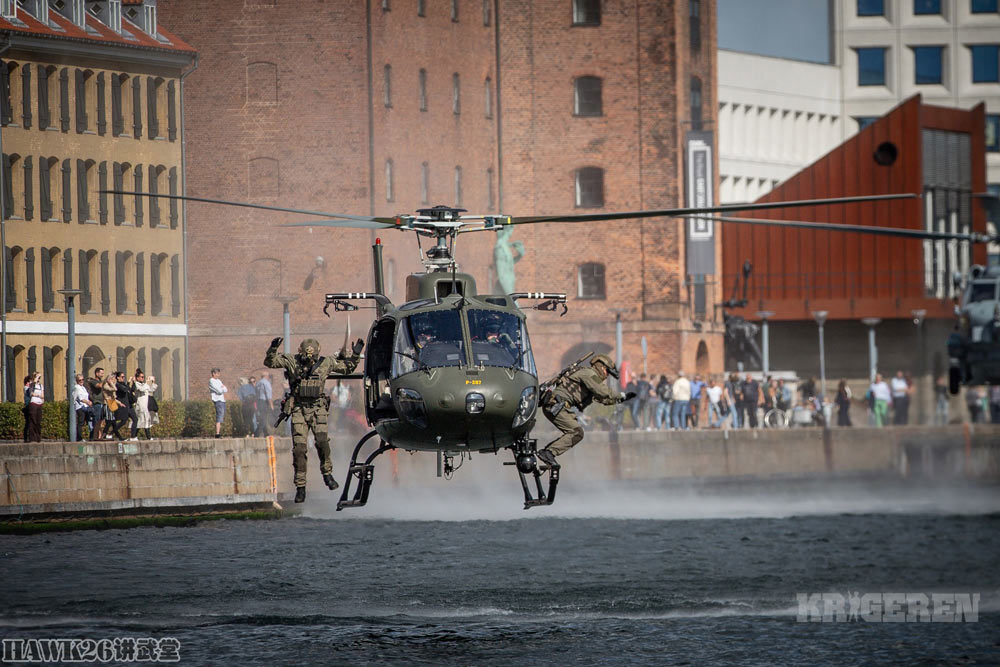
(285, 300)
(765, 341)
(71, 294)
(871, 323)
(820, 317)
(918, 318)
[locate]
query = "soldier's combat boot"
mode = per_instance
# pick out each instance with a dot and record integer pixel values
(331, 483)
(547, 457)
(300, 494)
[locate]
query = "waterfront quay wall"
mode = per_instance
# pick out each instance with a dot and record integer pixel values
(185, 476)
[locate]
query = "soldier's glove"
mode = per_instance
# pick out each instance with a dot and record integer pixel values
(277, 341)
(629, 396)
(357, 347)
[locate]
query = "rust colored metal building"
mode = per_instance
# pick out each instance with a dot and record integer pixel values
(933, 151)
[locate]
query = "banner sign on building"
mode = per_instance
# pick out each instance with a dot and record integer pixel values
(699, 180)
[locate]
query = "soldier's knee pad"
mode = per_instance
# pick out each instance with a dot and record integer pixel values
(577, 434)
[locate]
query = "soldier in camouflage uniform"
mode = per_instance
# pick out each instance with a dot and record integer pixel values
(577, 389)
(308, 405)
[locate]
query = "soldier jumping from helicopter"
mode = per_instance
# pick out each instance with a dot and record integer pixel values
(308, 405)
(576, 387)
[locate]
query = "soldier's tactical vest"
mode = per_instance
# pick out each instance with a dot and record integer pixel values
(310, 388)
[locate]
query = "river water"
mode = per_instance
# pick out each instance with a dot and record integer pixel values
(629, 574)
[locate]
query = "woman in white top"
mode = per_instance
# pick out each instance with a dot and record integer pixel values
(142, 391)
(34, 396)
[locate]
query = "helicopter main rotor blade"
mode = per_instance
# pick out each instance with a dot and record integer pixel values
(676, 212)
(265, 207)
(355, 224)
(862, 229)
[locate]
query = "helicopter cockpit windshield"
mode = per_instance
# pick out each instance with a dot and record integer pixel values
(428, 340)
(500, 339)
(983, 290)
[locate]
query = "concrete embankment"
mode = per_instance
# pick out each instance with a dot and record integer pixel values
(55, 480)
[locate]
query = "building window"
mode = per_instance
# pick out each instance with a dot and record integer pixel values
(454, 10)
(985, 62)
(871, 66)
(46, 167)
(487, 12)
(387, 85)
(11, 175)
(488, 97)
(926, 7)
(262, 84)
(590, 187)
(458, 186)
(389, 195)
(871, 7)
(120, 171)
(86, 182)
(490, 196)
(125, 268)
(88, 279)
(158, 276)
(421, 9)
(154, 100)
(587, 96)
(695, 24)
(993, 132)
(121, 104)
(48, 89)
(456, 94)
(11, 90)
(695, 103)
(51, 282)
(590, 281)
(422, 91)
(928, 67)
(82, 81)
(586, 12)
(425, 178)
(865, 121)
(984, 6)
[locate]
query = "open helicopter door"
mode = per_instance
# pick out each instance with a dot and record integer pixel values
(378, 372)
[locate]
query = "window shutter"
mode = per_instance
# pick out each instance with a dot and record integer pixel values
(141, 357)
(82, 205)
(8, 269)
(175, 285)
(171, 111)
(67, 181)
(8, 188)
(154, 203)
(175, 373)
(6, 113)
(117, 122)
(120, 294)
(172, 177)
(32, 360)
(81, 102)
(29, 274)
(102, 197)
(64, 99)
(12, 382)
(120, 358)
(29, 201)
(26, 95)
(44, 194)
(119, 198)
(138, 199)
(47, 373)
(151, 119)
(140, 281)
(43, 97)
(84, 275)
(47, 296)
(137, 107)
(102, 112)
(155, 298)
(67, 269)
(105, 284)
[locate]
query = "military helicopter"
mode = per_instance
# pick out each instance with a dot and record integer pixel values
(451, 370)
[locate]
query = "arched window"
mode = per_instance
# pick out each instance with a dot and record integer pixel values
(158, 277)
(10, 93)
(694, 26)
(262, 84)
(264, 277)
(175, 376)
(54, 372)
(121, 104)
(456, 94)
(86, 186)
(422, 89)
(425, 178)
(586, 12)
(695, 103)
(48, 94)
(264, 180)
(587, 97)
(48, 170)
(156, 103)
(90, 280)
(175, 285)
(13, 185)
(387, 85)
(14, 274)
(389, 192)
(458, 186)
(490, 197)
(590, 187)
(157, 184)
(488, 97)
(124, 286)
(83, 83)
(590, 281)
(164, 384)
(93, 359)
(52, 279)
(122, 172)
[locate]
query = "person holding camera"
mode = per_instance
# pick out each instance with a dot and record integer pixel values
(34, 397)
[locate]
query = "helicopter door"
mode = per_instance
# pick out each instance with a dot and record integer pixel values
(378, 367)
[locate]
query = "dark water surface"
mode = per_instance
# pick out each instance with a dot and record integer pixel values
(545, 589)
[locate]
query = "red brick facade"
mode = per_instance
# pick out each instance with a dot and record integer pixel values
(288, 106)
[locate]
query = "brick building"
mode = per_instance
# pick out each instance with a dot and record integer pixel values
(90, 97)
(521, 107)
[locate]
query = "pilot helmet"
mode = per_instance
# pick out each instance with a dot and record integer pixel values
(605, 361)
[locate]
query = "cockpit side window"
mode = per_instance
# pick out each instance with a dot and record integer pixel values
(983, 291)
(499, 339)
(428, 340)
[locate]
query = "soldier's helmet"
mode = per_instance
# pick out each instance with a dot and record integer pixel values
(308, 343)
(605, 361)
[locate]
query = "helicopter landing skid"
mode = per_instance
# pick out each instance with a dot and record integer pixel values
(527, 463)
(363, 472)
